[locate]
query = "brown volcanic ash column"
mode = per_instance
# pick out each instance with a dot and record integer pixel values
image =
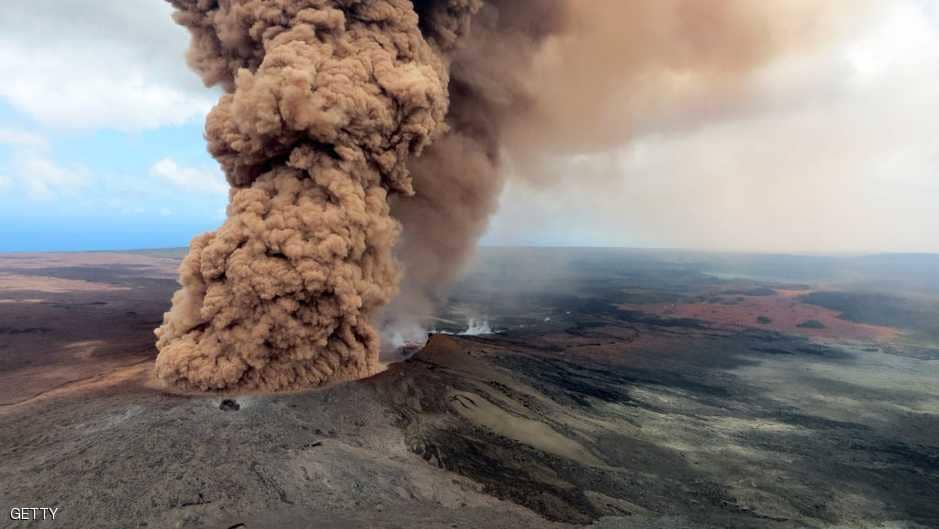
(326, 102)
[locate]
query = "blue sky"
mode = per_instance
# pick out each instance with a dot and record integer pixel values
(105, 189)
(836, 150)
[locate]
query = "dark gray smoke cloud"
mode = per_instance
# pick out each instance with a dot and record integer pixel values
(348, 124)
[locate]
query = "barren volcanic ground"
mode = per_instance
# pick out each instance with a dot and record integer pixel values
(617, 388)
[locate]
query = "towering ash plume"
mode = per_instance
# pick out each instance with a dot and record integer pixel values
(343, 117)
(326, 103)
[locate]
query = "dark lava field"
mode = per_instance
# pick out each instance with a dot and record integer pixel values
(602, 388)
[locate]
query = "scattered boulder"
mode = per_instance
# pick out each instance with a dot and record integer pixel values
(229, 405)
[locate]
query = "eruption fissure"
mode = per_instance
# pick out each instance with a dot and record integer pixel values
(344, 122)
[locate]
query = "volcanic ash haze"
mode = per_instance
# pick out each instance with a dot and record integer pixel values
(344, 120)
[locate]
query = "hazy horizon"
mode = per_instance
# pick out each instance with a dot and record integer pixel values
(483, 247)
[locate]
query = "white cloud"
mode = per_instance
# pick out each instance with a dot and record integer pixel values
(22, 138)
(906, 37)
(166, 212)
(125, 99)
(837, 152)
(189, 178)
(117, 64)
(32, 170)
(45, 180)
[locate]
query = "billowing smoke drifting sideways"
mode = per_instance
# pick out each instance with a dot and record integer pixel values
(536, 81)
(345, 120)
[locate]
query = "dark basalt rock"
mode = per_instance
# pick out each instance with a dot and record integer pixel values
(229, 405)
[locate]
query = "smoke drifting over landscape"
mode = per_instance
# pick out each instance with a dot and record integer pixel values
(348, 124)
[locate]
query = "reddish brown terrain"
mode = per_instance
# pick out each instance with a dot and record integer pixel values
(783, 308)
(68, 318)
